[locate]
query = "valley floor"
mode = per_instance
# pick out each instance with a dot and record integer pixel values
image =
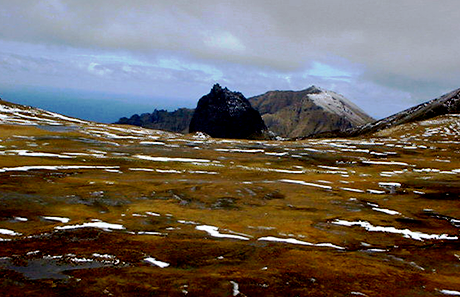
(90, 209)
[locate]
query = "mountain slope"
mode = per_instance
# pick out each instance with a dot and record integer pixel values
(176, 121)
(17, 114)
(307, 112)
(446, 104)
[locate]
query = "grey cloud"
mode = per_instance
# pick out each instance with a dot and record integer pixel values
(420, 89)
(86, 73)
(406, 48)
(399, 36)
(15, 63)
(158, 82)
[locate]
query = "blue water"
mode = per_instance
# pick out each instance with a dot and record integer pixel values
(91, 106)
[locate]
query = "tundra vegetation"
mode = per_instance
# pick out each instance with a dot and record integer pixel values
(111, 210)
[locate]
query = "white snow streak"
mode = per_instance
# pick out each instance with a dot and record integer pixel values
(213, 231)
(167, 159)
(295, 241)
(9, 232)
(58, 219)
(95, 224)
(156, 262)
(300, 182)
(405, 232)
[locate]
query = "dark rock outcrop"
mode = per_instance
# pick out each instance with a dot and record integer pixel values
(446, 104)
(311, 111)
(226, 114)
(176, 121)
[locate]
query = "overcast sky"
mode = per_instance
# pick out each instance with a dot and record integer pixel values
(384, 55)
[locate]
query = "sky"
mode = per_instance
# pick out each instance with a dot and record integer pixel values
(111, 58)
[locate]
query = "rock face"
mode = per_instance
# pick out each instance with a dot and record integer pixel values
(226, 114)
(176, 121)
(446, 104)
(311, 111)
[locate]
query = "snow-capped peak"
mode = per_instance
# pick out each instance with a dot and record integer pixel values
(336, 104)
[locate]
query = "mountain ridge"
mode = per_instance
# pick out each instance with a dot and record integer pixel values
(175, 121)
(294, 114)
(445, 104)
(289, 113)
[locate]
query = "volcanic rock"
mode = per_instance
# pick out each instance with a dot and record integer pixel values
(226, 114)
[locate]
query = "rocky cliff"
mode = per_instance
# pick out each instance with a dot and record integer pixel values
(226, 114)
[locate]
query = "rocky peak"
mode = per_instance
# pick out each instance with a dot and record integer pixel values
(216, 89)
(223, 98)
(313, 90)
(226, 114)
(222, 93)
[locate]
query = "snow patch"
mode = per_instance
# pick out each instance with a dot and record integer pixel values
(20, 219)
(213, 231)
(295, 241)
(405, 232)
(387, 211)
(300, 182)
(9, 232)
(59, 167)
(167, 159)
(450, 292)
(156, 262)
(385, 163)
(95, 224)
(337, 104)
(58, 219)
(235, 288)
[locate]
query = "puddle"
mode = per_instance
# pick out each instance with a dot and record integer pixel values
(57, 128)
(47, 268)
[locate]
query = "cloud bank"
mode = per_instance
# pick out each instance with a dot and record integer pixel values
(370, 50)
